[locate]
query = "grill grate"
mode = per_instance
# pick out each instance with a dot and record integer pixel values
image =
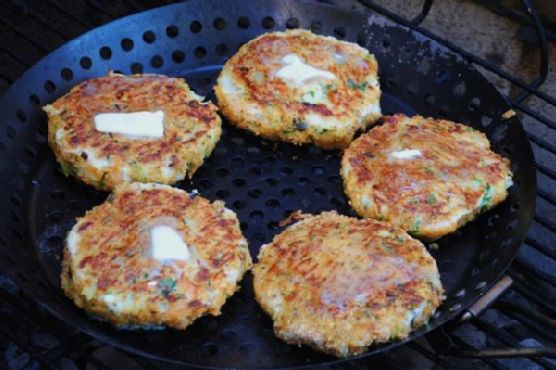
(33, 339)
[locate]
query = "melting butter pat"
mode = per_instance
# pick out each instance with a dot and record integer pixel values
(167, 244)
(406, 154)
(134, 125)
(298, 72)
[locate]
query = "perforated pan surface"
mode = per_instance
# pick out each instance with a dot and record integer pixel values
(262, 181)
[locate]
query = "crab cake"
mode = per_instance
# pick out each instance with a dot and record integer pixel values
(427, 176)
(299, 87)
(153, 255)
(145, 128)
(340, 284)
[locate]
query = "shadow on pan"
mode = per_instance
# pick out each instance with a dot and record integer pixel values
(262, 181)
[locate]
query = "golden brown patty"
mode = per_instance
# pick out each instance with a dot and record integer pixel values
(427, 176)
(340, 284)
(302, 88)
(191, 130)
(113, 268)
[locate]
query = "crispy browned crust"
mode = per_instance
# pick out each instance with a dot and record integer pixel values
(340, 284)
(192, 129)
(113, 257)
(283, 114)
(456, 177)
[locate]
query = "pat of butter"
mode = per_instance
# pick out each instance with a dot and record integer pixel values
(406, 154)
(296, 71)
(135, 125)
(167, 244)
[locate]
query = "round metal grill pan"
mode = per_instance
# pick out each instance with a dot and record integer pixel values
(262, 181)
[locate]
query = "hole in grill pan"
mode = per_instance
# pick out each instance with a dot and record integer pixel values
(243, 22)
(66, 74)
(195, 27)
(85, 62)
(267, 23)
(172, 31)
(127, 44)
(219, 24)
(149, 37)
(105, 52)
(178, 56)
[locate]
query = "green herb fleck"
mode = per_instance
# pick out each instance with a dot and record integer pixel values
(167, 286)
(68, 169)
(289, 130)
(399, 329)
(477, 181)
(381, 217)
(428, 170)
(354, 85)
(414, 201)
(343, 226)
(218, 257)
(322, 131)
(328, 88)
(368, 313)
(387, 248)
(102, 181)
(416, 226)
(487, 198)
(311, 97)
(139, 173)
(431, 199)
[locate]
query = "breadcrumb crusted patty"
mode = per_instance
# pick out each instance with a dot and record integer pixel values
(300, 87)
(191, 130)
(340, 284)
(110, 267)
(428, 176)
